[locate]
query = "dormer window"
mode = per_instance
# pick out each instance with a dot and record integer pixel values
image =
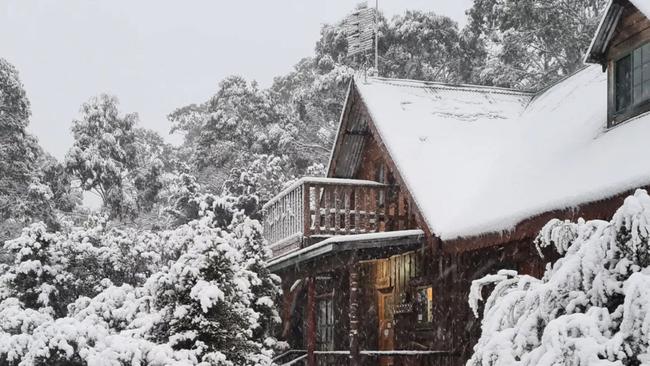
(622, 47)
(632, 79)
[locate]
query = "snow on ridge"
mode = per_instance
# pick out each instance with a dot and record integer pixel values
(478, 160)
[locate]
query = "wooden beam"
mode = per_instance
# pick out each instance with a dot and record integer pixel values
(355, 356)
(331, 168)
(306, 211)
(311, 321)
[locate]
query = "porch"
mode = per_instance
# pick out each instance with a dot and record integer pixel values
(347, 302)
(346, 250)
(314, 209)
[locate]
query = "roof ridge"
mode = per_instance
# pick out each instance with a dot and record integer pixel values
(561, 80)
(448, 86)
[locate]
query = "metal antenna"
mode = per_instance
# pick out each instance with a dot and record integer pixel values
(377, 37)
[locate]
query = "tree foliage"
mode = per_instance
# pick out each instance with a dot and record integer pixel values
(591, 307)
(530, 43)
(196, 295)
(119, 162)
(29, 191)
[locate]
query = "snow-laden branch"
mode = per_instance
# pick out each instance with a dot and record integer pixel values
(592, 307)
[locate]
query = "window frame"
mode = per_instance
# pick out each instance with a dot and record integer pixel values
(424, 323)
(618, 117)
(325, 341)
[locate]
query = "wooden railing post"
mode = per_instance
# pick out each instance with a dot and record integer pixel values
(337, 217)
(355, 355)
(317, 201)
(306, 211)
(327, 202)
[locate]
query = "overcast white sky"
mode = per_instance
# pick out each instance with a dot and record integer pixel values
(158, 55)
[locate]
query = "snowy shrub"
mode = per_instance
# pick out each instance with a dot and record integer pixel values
(196, 295)
(592, 307)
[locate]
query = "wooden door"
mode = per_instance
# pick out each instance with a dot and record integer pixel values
(386, 326)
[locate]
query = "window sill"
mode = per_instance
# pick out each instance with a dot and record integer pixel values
(623, 119)
(630, 114)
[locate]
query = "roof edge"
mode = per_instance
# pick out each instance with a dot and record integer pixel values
(604, 32)
(449, 86)
(329, 172)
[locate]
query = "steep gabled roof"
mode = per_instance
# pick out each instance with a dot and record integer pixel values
(600, 42)
(481, 160)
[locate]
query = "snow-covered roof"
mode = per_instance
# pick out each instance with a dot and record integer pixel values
(481, 160)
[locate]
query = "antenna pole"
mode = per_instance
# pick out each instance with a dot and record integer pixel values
(377, 37)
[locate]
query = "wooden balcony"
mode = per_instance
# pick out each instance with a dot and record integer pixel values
(313, 209)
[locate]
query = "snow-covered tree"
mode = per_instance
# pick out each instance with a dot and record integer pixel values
(592, 307)
(264, 285)
(65, 197)
(195, 295)
(26, 194)
(258, 180)
(237, 120)
(422, 46)
(116, 160)
(530, 43)
(104, 152)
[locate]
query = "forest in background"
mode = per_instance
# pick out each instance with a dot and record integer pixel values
(175, 252)
(246, 141)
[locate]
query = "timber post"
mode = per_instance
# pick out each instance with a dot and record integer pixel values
(311, 321)
(355, 356)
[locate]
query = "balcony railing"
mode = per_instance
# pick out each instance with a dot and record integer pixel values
(313, 208)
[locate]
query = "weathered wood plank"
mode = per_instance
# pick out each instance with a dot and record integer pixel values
(317, 213)
(346, 202)
(337, 205)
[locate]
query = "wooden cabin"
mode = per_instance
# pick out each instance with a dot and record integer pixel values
(431, 186)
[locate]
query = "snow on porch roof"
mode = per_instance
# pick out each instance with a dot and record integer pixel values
(480, 160)
(390, 242)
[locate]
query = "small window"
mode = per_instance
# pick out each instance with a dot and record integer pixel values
(632, 83)
(424, 305)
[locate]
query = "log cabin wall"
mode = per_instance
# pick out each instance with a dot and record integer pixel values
(401, 214)
(632, 31)
(454, 327)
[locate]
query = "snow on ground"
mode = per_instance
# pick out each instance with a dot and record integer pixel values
(481, 160)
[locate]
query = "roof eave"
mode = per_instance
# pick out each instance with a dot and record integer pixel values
(340, 130)
(598, 47)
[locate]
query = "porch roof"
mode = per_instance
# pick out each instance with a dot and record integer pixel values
(368, 246)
